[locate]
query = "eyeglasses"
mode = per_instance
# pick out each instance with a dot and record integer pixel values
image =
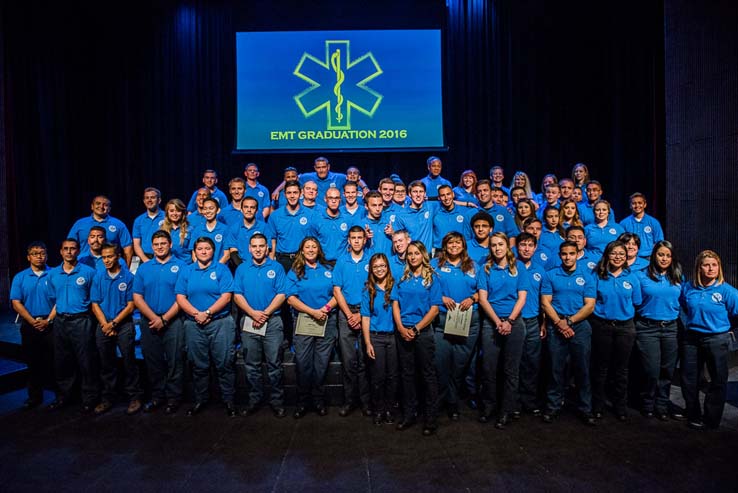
(379, 266)
(618, 254)
(37, 254)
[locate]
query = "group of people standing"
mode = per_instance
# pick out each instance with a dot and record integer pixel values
(425, 291)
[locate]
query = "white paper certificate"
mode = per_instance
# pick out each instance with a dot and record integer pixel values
(308, 326)
(458, 322)
(247, 325)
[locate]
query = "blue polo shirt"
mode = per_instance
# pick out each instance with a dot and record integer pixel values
(397, 266)
(203, 287)
(586, 213)
(418, 222)
(33, 291)
(532, 307)
(433, 184)
(455, 283)
(477, 252)
(181, 247)
(660, 298)
(380, 318)
(260, 193)
(144, 226)
(239, 236)
(230, 215)
(640, 264)
(289, 229)
(115, 232)
(504, 221)
(155, 282)
(463, 196)
(350, 275)
(332, 233)
(598, 237)
(219, 235)
(332, 180)
(72, 291)
(708, 310)
(445, 221)
(112, 294)
(618, 296)
(416, 298)
(195, 220)
(259, 284)
(315, 289)
(502, 287)
(545, 259)
(648, 230)
(358, 214)
(380, 242)
(97, 262)
(217, 194)
(550, 240)
(569, 289)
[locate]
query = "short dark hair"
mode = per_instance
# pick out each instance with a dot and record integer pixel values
(482, 216)
(36, 244)
(162, 234)
(108, 246)
(526, 237)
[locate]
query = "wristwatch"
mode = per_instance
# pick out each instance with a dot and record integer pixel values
(207, 312)
(414, 329)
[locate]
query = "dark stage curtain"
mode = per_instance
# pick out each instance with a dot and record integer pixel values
(144, 96)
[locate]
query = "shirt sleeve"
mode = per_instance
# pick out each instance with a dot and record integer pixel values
(96, 295)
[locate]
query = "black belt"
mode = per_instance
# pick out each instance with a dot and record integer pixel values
(660, 323)
(212, 318)
(613, 323)
(354, 308)
(287, 255)
(381, 332)
(526, 320)
(73, 316)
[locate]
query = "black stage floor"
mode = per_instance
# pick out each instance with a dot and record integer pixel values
(66, 451)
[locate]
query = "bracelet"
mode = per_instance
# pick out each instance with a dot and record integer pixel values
(569, 322)
(113, 323)
(164, 322)
(327, 308)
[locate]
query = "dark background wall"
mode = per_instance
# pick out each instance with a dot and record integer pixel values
(111, 103)
(701, 40)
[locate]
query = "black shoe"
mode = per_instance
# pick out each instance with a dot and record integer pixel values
(471, 402)
(453, 413)
(696, 425)
(101, 408)
(321, 410)
(30, 404)
(515, 415)
(171, 407)
(344, 411)
(366, 412)
(647, 414)
(196, 409)
(502, 421)
(389, 418)
(250, 410)
(378, 419)
(662, 416)
(535, 412)
(588, 420)
(57, 404)
(485, 416)
(549, 417)
(405, 424)
(677, 416)
(598, 414)
(151, 405)
(300, 412)
(231, 410)
(279, 411)
(429, 428)
(622, 417)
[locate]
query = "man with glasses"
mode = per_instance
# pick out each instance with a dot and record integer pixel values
(33, 299)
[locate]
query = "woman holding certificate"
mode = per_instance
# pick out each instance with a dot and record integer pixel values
(502, 293)
(415, 300)
(457, 326)
(310, 293)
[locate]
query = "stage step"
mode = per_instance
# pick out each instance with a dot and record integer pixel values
(13, 375)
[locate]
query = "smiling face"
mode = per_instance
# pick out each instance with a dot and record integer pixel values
(399, 243)
(435, 167)
(210, 210)
(632, 249)
(161, 247)
(663, 258)
(292, 195)
(210, 179)
(110, 258)
(173, 214)
(580, 174)
(310, 252)
(446, 197)
(95, 240)
(519, 180)
(414, 257)
(484, 194)
(497, 176)
(594, 192)
(387, 190)
(601, 212)
(258, 249)
(498, 247)
(310, 191)
(467, 180)
(454, 248)
(524, 209)
(399, 194)
(566, 187)
(236, 190)
(151, 200)
(616, 258)
(526, 249)
(100, 207)
(638, 206)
